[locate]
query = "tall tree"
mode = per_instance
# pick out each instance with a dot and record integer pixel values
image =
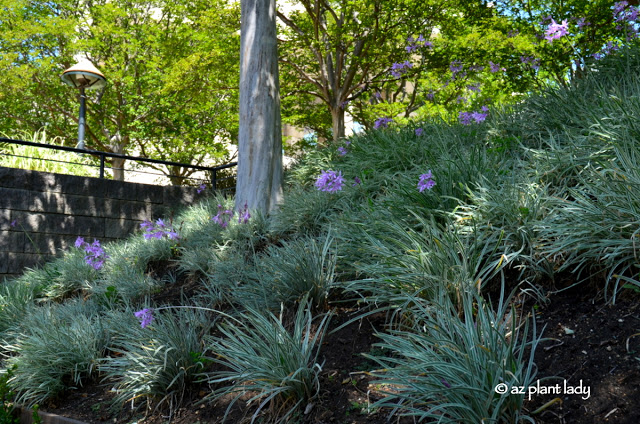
(171, 67)
(335, 51)
(259, 185)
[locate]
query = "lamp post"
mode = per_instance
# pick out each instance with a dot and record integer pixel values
(83, 75)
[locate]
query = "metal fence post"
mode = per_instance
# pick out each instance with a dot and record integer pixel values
(101, 166)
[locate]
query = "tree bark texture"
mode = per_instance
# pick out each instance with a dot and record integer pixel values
(259, 183)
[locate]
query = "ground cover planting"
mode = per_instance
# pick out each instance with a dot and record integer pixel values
(483, 271)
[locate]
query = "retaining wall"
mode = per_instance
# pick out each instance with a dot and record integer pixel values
(43, 213)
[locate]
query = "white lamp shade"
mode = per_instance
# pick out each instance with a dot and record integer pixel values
(84, 75)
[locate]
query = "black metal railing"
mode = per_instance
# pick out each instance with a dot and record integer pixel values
(218, 179)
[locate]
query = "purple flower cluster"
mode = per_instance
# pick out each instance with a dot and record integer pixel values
(145, 316)
(223, 217)
(426, 182)
(95, 254)
(414, 44)
(342, 151)
(467, 118)
(531, 61)
(556, 30)
(201, 188)
(474, 87)
(626, 16)
(330, 181)
(419, 132)
(382, 123)
(495, 67)
(398, 69)
(157, 230)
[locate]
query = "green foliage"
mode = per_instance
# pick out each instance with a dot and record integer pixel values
(162, 63)
(303, 268)
(41, 159)
(447, 365)
(7, 412)
(260, 354)
(155, 364)
(56, 348)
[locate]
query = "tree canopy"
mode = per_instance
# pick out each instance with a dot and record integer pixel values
(172, 70)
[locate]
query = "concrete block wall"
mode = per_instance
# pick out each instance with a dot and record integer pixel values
(43, 213)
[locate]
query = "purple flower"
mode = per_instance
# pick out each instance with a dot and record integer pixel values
(146, 225)
(426, 182)
(223, 217)
(201, 188)
(445, 383)
(556, 30)
(356, 181)
(431, 95)
(342, 151)
(618, 8)
(382, 123)
(145, 316)
(157, 230)
(419, 131)
(244, 216)
(478, 116)
(474, 87)
(397, 69)
(13, 223)
(95, 254)
(465, 118)
(495, 67)
(581, 23)
(461, 99)
(330, 181)
(456, 66)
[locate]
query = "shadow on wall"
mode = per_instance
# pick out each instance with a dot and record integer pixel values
(42, 213)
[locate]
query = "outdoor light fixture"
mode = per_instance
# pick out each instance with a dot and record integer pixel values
(83, 75)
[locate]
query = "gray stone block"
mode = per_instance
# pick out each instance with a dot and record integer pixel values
(119, 228)
(49, 244)
(48, 202)
(85, 186)
(176, 196)
(150, 193)
(4, 262)
(17, 262)
(84, 206)
(45, 181)
(14, 178)
(14, 199)
(120, 190)
(135, 210)
(12, 241)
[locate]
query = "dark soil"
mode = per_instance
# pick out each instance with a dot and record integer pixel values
(588, 343)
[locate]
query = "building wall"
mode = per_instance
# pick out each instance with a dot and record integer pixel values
(42, 214)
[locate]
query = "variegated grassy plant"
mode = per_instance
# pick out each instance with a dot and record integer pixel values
(446, 367)
(279, 366)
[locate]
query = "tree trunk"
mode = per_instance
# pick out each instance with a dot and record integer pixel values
(337, 121)
(117, 164)
(259, 183)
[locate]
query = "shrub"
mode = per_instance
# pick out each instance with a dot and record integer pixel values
(303, 267)
(446, 366)
(157, 363)
(58, 347)
(260, 355)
